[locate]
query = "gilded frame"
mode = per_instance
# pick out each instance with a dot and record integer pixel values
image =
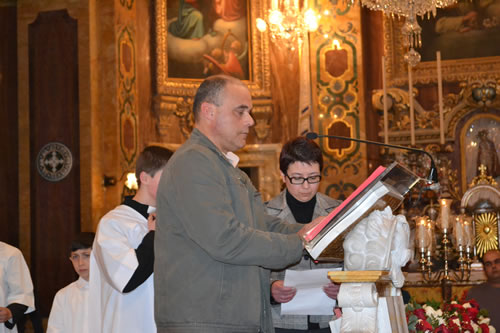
(259, 82)
(426, 72)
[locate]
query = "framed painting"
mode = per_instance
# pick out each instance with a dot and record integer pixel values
(467, 35)
(480, 145)
(195, 39)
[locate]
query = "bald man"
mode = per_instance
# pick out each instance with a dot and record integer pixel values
(488, 293)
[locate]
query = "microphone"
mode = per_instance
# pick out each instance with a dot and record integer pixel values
(432, 178)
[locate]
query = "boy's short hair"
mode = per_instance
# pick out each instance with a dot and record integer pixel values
(152, 159)
(300, 149)
(82, 241)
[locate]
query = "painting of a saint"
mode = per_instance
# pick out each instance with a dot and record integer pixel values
(467, 29)
(207, 37)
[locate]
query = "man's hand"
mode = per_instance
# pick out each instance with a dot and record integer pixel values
(152, 221)
(302, 232)
(332, 290)
(282, 294)
(5, 314)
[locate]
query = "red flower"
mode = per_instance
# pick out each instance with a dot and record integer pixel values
(472, 312)
(484, 328)
(441, 329)
(474, 304)
(420, 313)
(467, 326)
(423, 325)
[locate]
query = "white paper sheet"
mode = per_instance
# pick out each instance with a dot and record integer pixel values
(310, 298)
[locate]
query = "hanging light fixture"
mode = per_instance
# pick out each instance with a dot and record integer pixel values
(288, 23)
(409, 9)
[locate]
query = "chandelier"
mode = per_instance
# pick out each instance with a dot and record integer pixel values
(288, 23)
(409, 9)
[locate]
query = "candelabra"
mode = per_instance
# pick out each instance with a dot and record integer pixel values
(430, 256)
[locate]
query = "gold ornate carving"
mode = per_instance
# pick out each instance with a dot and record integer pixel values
(262, 113)
(486, 232)
(170, 107)
(483, 178)
(426, 72)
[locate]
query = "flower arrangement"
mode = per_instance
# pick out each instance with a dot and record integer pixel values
(459, 316)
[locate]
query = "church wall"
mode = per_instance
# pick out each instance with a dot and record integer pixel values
(9, 214)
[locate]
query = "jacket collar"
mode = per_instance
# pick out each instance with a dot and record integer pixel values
(198, 137)
(279, 202)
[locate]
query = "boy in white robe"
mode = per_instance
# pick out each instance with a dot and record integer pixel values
(121, 295)
(69, 313)
(16, 288)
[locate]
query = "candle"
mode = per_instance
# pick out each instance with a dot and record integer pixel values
(412, 116)
(445, 214)
(296, 4)
(274, 5)
(468, 233)
(459, 232)
(384, 88)
(421, 237)
(440, 98)
(430, 234)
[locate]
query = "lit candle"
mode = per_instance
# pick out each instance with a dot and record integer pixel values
(468, 233)
(296, 4)
(384, 88)
(459, 232)
(421, 236)
(440, 98)
(274, 5)
(445, 214)
(412, 116)
(430, 234)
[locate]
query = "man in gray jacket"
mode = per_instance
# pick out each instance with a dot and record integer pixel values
(214, 242)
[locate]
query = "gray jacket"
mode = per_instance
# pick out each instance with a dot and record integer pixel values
(278, 207)
(215, 245)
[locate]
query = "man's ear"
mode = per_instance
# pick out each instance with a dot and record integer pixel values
(207, 110)
(145, 178)
(283, 176)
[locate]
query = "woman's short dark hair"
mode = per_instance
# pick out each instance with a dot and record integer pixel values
(300, 149)
(152, 159)
(82, 241)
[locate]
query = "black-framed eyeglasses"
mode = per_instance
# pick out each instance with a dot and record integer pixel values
(300, 180)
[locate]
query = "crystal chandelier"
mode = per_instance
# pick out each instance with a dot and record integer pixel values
(409, 9)
(288, 23)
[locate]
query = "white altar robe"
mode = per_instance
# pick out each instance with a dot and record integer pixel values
(112, 263)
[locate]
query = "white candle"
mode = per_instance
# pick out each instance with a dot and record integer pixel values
(440, 98)
(412, 116)
(430, 234)
(274, 5)
(421, 237)
(468, 233)
(384, 88)
(445, 214)
(459, 232)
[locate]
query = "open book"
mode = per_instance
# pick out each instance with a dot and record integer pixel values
(385, 186)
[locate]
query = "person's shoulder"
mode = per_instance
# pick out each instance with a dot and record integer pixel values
(277, 203)
(66, 291)
(326, 202)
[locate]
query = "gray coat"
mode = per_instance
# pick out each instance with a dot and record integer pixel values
(215, 245)
(278, 207)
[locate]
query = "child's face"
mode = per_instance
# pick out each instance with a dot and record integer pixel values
(80, 260)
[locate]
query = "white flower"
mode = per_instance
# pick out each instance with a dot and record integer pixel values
(483, 320)
(457, 321)
(474, 326)
(439, 313)
(453, 302)
(429, 311)
(466, 305)
(492, 329)
(441, 321)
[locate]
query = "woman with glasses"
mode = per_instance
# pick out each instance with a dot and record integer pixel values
(301, 162)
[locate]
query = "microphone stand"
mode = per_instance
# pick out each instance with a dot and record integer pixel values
(431, 178)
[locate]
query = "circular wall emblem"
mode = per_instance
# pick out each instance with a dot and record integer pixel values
(54, 161)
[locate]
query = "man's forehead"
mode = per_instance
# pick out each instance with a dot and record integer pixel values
(491, 256)
(81, 251)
